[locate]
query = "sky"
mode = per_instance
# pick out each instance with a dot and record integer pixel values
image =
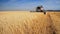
(29, 4)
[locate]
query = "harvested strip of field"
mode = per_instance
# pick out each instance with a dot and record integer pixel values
(25, 23)
(55, 16)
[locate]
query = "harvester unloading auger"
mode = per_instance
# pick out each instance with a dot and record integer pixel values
(40, 9)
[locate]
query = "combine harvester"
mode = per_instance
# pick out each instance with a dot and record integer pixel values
(40, 9)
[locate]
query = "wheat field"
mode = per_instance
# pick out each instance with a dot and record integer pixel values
(25, 22)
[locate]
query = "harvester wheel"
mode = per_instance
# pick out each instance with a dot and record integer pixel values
(44, 12)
